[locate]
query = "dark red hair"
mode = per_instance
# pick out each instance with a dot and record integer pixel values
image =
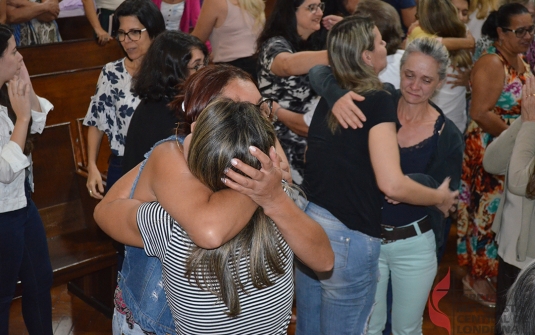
(200, 89)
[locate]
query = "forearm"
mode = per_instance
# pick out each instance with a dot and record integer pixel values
(24, 13)
(3, 10)
(498, 152)
(324, 84)
(20, 132)
(116, 214)
(299, 63)
(91, 14)
(490, 122)
(294, 121)
(406, 190)
(458, 43)
(94, 139)
(304, 236)
(522, 159)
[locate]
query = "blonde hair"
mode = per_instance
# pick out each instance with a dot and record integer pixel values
(483, 7)
(225, 129)
(256, 8)
(439, 17)
(346, 42)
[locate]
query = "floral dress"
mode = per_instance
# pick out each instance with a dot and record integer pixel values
(292, 93)
(480, 191)
(113, 105)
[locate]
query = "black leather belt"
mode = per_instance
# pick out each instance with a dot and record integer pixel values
(391, 234)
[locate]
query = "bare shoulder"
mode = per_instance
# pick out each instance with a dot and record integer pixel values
(167, 154)
(488, 63)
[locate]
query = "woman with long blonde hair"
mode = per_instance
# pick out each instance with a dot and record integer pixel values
(232, 27)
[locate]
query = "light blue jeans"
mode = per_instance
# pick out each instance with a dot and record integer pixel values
(412, 263)
(338, 302)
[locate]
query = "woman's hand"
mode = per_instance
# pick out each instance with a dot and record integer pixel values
(94, 182)
(330, 20)
(450, 198)
(527, 112)
(461, 78)
(347, 113)
(102, 36)
(19, 97)
(262, 186)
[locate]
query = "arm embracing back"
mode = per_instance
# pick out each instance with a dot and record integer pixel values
(384, 154)
(209, 218)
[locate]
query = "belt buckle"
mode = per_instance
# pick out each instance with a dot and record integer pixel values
(387, 228)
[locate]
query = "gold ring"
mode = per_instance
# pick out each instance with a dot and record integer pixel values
(90, 192)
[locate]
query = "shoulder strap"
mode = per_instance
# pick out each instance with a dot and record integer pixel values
(147, 155)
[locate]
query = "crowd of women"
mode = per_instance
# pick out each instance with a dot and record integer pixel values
(215, 184)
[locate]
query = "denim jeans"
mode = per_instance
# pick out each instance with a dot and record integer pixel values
(338, 302)
(412, 265)
(24, 256)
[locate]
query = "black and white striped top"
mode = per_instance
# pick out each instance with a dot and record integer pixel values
(263, 311)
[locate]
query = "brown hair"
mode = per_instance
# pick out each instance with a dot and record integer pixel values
(387, 21)
(439, 17)
(225, 130)
(200, 89)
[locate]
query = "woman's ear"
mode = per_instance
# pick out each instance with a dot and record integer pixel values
(367, 57)
(501, 35)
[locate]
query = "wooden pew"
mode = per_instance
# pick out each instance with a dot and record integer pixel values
(75, 28)
(81, 254)
(69, 55)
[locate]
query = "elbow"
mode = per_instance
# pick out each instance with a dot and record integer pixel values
(390, 189)
(207, 239)
(327, 264)
(489, 164)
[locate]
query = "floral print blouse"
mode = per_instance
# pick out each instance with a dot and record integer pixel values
(113, 105)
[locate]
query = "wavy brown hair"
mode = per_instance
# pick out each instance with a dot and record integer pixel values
(439, 17)
(225, 129)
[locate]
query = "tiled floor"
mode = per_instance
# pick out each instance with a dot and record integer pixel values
(72, 316)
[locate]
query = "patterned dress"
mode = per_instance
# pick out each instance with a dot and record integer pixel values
(292, 93)
(480, 191)
(35, 32)
(113, 105)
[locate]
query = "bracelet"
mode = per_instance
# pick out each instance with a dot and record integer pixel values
(275, 117)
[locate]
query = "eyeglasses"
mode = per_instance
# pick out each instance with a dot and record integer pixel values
(199, 64)
(313, 8)
(266, 107)
(521, 32)
(133, 35)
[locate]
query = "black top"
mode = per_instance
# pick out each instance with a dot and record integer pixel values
(339, 175)
(414, 159)
(152, 122)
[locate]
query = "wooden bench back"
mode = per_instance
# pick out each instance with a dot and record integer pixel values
(70, 92)
(68, 56)
(75, 28)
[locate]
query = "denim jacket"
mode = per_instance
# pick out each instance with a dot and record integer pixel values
(140, 281)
